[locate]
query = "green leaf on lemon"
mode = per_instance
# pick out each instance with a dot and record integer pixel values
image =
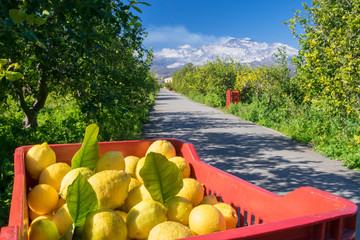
(81, 199)
(162, 178)
(88, 154)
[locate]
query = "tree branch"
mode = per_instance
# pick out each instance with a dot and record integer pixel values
(20, 96)
(41, 96)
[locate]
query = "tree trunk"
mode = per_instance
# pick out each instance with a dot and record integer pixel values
(30, 120)
(31, 112)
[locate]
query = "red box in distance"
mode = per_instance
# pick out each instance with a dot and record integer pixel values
(232, 96)
(306, 213)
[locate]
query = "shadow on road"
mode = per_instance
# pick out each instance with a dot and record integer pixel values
(247, 155)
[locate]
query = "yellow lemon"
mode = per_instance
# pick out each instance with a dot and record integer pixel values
(111, 187)
(183, 165)
(229, 213)
(205, 219)
(122, 214)
(209, 199)
(111, 160)
(38, 158)
(143, 217)
(71, 176)
(46, 216)
(139, 165)
(104, 224)
(169, 230)
(43, 229)
(60, 203)
(33, 215)
(42, 199)
(133, 183)
(62, 219)
(179, 209)
(54, 174)
(164, 147)
(136, 195)
(130, 164)
(192, 190)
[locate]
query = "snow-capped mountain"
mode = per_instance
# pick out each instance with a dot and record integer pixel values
(240, 50)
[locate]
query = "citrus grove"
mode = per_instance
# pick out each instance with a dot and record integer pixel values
(315, 100)
(113, 196)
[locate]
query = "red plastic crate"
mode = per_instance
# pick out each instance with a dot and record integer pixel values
(305, 213)
(232, 96)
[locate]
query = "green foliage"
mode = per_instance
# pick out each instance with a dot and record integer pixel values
(272, 97)
(328, 61)
(89, 49)
(271, 82)
(6, 180)
(65, 65)
(183, 79)
(307, 124)
(166, 85)
(6, 73)
(209, 81)
(213, 100)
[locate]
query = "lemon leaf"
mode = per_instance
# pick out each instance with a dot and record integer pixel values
(17, 16)
(162, 178)
(30, 18)
(13, 76)
(137, 9)
(3, 61)
(81, 199)
(88, 154)
(40, 21)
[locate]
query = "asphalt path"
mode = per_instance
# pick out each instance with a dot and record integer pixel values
(256, 154)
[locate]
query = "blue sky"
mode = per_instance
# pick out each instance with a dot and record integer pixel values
(173, 23)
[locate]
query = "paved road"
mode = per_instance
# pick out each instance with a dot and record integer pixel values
(256, 154)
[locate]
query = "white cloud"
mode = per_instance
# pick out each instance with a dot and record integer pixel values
(186, 46)
(169, 53)
(174, 37)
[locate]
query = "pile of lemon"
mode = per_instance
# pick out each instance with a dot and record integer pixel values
(126, 208)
